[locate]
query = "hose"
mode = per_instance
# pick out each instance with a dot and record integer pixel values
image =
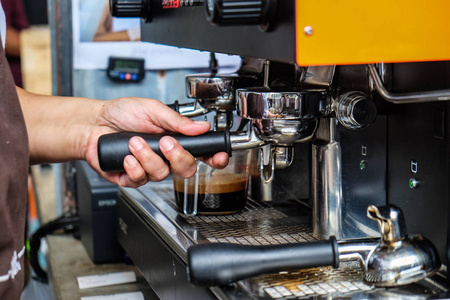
(69, 223)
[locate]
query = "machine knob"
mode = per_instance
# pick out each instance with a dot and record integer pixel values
(355, 110)
(130, 8)
(239, 12)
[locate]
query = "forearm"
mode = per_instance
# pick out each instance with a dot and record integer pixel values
(66, 128)
(12, 46)
(58, 127)
(112, 36)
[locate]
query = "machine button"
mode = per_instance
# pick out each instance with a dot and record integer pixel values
(413, 183)
(362, 165)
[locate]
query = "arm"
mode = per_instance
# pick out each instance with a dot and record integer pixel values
(16, 21)
(12, 46)
(68, 128)
(112, 36)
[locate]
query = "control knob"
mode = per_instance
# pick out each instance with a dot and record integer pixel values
(239, 12)
(356, 110)
(130, 8)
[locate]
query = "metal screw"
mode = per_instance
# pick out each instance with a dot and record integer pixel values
(308, 30)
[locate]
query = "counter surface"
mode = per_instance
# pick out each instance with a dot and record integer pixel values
(67, 258)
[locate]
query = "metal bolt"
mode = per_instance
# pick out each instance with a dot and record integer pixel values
(308, 30)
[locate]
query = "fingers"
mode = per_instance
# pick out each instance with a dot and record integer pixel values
(218, 161)
(190, 127)
(145, 165)
(181, 161)
(173, 121)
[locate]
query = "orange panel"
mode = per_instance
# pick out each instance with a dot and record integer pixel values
(368, 31)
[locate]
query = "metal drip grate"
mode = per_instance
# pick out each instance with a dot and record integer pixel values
(314, 282)
(257, 226)
(263, 225)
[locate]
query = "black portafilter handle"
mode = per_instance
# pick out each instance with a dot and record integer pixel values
(220, 264)
(112, 148)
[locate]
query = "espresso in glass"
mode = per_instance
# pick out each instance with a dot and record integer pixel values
(223, 195)
(217, 191)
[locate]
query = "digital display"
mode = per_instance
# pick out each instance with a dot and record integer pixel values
(125, 69)
(126, 64)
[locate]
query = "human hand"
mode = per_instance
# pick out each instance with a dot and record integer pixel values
(147, 116)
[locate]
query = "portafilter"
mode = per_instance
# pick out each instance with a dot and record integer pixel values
(213, 92)
(278, 118)
(395, 259)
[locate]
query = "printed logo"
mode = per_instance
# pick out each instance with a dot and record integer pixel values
(15, 266)
(414, 166)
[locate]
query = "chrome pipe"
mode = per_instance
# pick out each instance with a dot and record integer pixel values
(406, 98)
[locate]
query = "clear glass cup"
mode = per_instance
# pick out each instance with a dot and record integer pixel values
(213, 191)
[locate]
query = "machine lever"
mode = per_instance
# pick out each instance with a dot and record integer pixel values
(112, 148)
(220, 264)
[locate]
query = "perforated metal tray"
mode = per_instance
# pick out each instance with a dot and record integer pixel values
(264, 224)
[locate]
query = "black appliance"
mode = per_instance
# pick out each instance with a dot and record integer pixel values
(97, 209)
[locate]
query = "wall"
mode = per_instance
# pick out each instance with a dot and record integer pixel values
(166, 86)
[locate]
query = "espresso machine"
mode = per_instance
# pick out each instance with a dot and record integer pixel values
(344, 107)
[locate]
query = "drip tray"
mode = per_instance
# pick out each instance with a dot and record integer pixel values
(263, 224)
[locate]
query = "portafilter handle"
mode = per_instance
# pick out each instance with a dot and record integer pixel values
(112, 148)
(385, 264)
(219, 264)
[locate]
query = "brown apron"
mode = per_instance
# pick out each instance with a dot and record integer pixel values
(14, 163)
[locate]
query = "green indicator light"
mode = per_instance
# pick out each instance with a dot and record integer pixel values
(413, 183)
(362, 165)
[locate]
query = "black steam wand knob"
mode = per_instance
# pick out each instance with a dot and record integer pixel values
(239, 12)
(130, 8)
